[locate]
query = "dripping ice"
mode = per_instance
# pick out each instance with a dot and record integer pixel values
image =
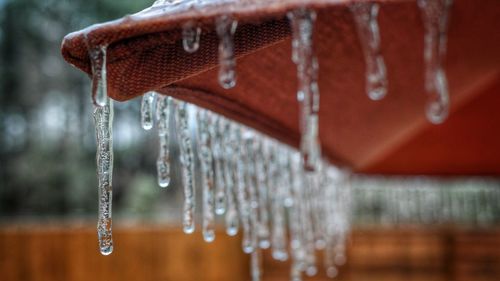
(163, 109)
(435, 19)
(147, 110)
(103, 120)
(302, 22)
(187, 164)
(191, 37)
(207, 176)
(365, 16)
(226, 27)
(99, 86)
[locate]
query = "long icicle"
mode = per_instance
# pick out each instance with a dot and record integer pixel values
(103, 120)
(260, 166)
(232, 222)
(278, 169)
(207, 176)
(163, 108)
(147, 110)
(365, 15)
(302, 21)
(242, 196)
(250, 184)
(187, 164)
(435, 18)
(226, 27)
(216, 132)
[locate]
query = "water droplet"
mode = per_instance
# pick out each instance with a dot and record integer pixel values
(147, 109)
(103, 120)
(365, 16)
(191, 37)
(163, 109)
(187, 165)
(226, 27)
(435, 18)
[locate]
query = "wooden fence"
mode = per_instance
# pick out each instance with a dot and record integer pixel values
(155, 253)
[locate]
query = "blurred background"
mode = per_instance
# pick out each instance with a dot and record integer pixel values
(403, 228)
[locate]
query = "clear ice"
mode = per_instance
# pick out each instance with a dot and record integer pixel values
(191, 37)
(99, 75)
(226, 27)
(216, 133)
(103, 120)
(147, 110)
(365, 16)
(302, 22)
(232, 219)
(207, 176)
(163, 109)
(435, 18)
(187, 164)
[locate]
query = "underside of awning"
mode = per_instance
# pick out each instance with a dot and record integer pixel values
(391, 136)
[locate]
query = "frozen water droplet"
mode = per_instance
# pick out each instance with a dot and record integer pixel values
(191, 37)
(99, 74)
(163, 108)
(187, 165)
(435, 18)
(311, 270)
(439, 103)
(302, 22)
(365, 15)
(226, 27)
(207, 176)
(147, 109)
(332, 272)
(103, 120)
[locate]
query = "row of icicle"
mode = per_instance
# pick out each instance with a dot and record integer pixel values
(255, 181)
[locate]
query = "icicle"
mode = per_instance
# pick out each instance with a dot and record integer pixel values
(216, 132)
(243, 202)
(307, 226)
(260, 167)
(232, 222)
(147, 109)
(296, 220)
(103, 120)
(256, 265)
(163, 108)
(191, 37)
(302, 22)
(226, 27)
(187, 164)
(277, 166)
(365, 16)
(99, 75)
(205, 152)
(435, 18)
(250, 184)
